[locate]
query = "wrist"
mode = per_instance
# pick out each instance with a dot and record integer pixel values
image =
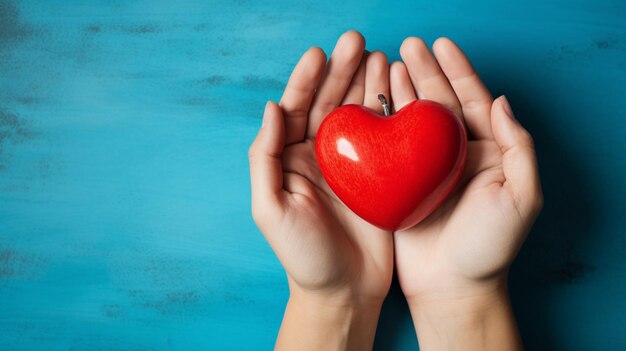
(455, 289)
(466, 317)
(315, 321)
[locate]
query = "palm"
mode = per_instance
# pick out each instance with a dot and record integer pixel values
(453, 241)
(333, 238)
(477, 231)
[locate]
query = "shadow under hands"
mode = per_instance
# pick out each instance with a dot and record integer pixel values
(556, 252)
(395, 320)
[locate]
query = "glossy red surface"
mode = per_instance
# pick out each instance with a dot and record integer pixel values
(392, 171)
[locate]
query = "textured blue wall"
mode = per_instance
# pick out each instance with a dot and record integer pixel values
(124, 192)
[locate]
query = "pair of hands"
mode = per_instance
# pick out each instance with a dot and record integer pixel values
(452, 266)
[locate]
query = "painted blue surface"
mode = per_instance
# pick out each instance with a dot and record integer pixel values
(124, 192)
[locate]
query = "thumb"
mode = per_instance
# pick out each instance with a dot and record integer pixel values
(519, 162)
(266, 174)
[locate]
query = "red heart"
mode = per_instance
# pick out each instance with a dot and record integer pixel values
(392, 171)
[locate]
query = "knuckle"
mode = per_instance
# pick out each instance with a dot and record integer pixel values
(537, 202)
(252, 151)
(258, 215)
(262, 214)
(526, 139)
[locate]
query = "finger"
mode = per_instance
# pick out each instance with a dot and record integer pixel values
(427, 77)
(356, 90)
(341, 67)
(402, 91)
(519, 162)
(376, 80)
(299, 92)
(474, 97)
(266, 175)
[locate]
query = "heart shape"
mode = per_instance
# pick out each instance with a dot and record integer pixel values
(393, 171)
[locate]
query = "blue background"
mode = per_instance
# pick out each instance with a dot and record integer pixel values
(124, 191)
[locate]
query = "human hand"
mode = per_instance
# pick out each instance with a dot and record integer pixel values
(339, 267)
(452, 267)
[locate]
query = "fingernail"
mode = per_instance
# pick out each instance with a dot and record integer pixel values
(507, 107)
(265, 113)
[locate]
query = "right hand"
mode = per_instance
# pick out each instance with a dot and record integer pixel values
(472, 238)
